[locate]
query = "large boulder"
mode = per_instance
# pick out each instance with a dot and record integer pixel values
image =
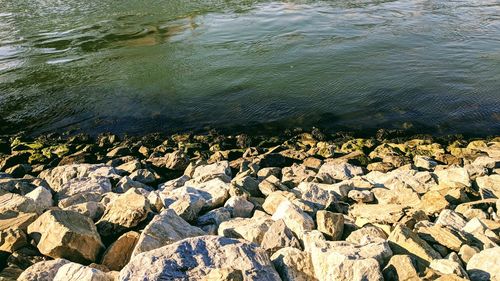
(42, 271)
(58, 176)
(453, 177)
(12, 239)
(76, 186)
(279, 236)
(123, 213)
(485, 265)
(251, 229)
(16, 202)
(404, 241)
(66, 234)
(165, 228)
(401, 267)
(337, 171)
(203, 173)
(195, 258)
(16, 220)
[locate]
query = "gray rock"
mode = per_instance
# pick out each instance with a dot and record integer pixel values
(250, 229)
(330, 224)
(279, 236)
(293, 264)
(77, 272)
(42, 271)
(42, 197)
(239, 206)
(58, 176)
(144, 176)
(194, 258)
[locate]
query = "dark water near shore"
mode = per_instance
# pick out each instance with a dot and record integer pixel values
(145, 66)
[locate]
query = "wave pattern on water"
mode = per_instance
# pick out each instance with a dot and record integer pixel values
(141, 66)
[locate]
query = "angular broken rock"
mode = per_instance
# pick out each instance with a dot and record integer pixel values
(76, 186)
(401, 267)
(123, 213)
(118, 254)
(293, 264)
(453, 177)
(66, 234)
(16, 220)
(485, 265)
(451, 218)
(220, 170)
(279, 236)
(434, 233)
(12, 239)
(42, 271)
(77, 272)
(367, 231)
(16, 202)
(404, 241)
(330, 224)
(188, 206)
(42, 197)
(239, 206)
(489, 186)
(251, 229)
(194, 258)
(295, 219)
(62, 174)
(332, 171)
(165, 228)
(446, 266)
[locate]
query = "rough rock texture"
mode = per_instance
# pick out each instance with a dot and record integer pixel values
(77, 272)
(42, 271)
(279, 236)
(125, 212)
(330, 224)
(251, 229)
(193, 258)
(295, 219)
(165, 228)
(293, 264)
(66, 234)
(405, 241)
(118, 254)
(485, 265)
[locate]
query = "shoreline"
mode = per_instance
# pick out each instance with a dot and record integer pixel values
(302, 205)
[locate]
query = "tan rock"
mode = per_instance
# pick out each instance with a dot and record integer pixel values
(293, 264)
(404, 241)
(489, 186)
(485, 265)
(250, 229)
(295, 219)
(15, 202)
(453, 177)
(66, 234)
(330, 224)
(367, 231)
(433, 202)
(12, 239)
(434, 233)
(279, 236)
(165, 228)
(16, 220)
(118, 254)
(125, 212)
(401, 267)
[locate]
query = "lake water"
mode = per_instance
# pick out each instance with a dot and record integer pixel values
(146, 66)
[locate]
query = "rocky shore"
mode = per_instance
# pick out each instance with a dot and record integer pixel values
(302, 206)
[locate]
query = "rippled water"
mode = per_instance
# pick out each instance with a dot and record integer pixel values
(143, 66)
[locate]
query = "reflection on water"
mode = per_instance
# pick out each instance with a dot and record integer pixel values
(142, 66)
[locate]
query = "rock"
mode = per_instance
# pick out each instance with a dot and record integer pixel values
(12, 239)
(252, 229)
(450, 218)
(77, 272)
(274, 199)
(127, 183)
(420, 182)
(143, 176)
(315, 196)
(247, 183)
(188, 206)
(125, 212)
(361, 196)
(43, 271)
(424, 162)
(60, 175)
(293, 264)
(271, 184)
(489, 186)
(93, 210)
(130, 166)
(485, 265)
(379, 213)
(66, 234)
(446, 266)
(453, 177)
(269, 171)
(332, 171)
(296, 219)
(367, 231)
(279, 236)
(295, 174)
(176, 160)
(401, 267)
(341, 268)
(433, 202)
(194, 258)
(446, 236)
(42, 197)
(19, 170)
(330, 224)
(239, 206)
(76, 186)
(404, 241)
(18, 203)
(164, 229)
(467, 252)
(16, 220)
(220, 170)
(118, 254)
(214, 217)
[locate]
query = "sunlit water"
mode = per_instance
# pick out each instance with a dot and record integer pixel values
(146, 66)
